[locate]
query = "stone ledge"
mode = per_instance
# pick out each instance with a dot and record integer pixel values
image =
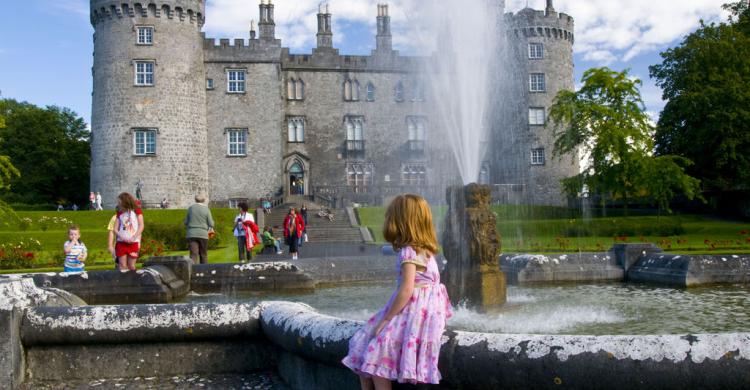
(139, 323)
(579, 267)
(690, 271)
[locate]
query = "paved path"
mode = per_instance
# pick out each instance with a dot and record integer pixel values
(260, 381)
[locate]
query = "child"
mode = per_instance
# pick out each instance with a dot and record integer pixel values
(402, 341)
(75, 251)
(270, 240)
(128, 228)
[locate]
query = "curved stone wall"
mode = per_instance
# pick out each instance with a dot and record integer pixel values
(174, 106)
(490, 361)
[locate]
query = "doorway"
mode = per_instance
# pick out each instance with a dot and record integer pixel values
(297, 181)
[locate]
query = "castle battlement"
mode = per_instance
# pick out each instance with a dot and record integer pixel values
(534, 23)
(192, 11)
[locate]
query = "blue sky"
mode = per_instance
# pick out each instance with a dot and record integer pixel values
(46, 52)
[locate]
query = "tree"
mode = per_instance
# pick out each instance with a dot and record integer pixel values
(606, 121)
(50, 148)
(7, 172)
(706, 83)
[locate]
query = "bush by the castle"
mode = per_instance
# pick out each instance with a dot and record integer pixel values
(173, 237)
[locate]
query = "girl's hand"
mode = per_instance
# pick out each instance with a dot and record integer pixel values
(379, 328)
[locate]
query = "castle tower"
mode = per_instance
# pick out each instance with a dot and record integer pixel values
(384, 41)
(543, 50)
(148, 117)
(267, 25)
(325, 33)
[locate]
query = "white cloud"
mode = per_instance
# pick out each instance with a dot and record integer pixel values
(296, 21)
(624, 30)
(606, 31)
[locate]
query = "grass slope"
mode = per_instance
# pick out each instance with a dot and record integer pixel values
(555, 230)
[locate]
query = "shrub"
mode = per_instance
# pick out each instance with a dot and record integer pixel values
(173, 237)
(19, 255)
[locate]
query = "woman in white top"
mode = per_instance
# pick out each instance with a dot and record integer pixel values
(245, 241)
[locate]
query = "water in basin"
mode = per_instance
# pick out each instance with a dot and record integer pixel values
(592, 309)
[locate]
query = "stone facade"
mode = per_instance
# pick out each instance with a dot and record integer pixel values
(195, 116)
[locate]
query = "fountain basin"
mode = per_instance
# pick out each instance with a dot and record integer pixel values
(305, 347)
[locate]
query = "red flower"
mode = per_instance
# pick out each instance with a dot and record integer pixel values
(29, 255)
(743, 232)
(748, 239)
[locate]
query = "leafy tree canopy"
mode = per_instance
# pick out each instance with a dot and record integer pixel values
(706, 83)
(50, 148)
(606, 121)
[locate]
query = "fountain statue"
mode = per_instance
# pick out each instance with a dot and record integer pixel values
(471, 245)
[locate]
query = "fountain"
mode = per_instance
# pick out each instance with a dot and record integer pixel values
(467, 90)
(472, 246)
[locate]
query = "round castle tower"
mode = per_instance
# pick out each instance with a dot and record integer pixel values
(148, 119)
(545, 43)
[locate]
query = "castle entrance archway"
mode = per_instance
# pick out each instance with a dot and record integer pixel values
(297, 176)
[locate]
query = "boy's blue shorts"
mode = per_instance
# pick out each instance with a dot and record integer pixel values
(67, 269)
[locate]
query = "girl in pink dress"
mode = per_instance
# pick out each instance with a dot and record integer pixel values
(402, 341)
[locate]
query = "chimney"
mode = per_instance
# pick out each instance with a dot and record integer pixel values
(266, 25)
(383, 40)
(325, 35)
(252, 29)
(550, 8)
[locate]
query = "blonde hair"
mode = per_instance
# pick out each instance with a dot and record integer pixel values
(408, 222)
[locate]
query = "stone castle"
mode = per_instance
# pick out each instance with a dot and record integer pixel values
(241, 120)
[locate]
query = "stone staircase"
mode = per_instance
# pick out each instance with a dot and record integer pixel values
(319, 230)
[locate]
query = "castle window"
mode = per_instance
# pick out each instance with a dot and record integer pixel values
(237, 142)
(415, 126)
(236, 81)
(355, 141)
(484, 173)
(359, 176)
(295, 89)
(537, 82)
(418, 92)
(370, 92)
(144, 142)
(398, 92)
(413, 174)
(351, 90)
(537, 156)
(145, 35)
(296, 129)
(536, 116)
(209, 83)
(144, 73)
(536, 51)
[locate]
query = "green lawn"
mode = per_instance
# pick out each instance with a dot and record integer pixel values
(555, 230)
(52, 233)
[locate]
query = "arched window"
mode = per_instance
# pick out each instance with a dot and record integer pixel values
(398, 92)
(370, 92)
(291, 87)
(355, 90)
(351, 90)
(348, 90)
(296, 129)
(300, 90)
(418, 91)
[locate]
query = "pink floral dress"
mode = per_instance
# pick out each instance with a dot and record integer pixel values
(408, 347)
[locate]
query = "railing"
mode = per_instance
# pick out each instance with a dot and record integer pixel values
(355, 146)
(416, 146)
